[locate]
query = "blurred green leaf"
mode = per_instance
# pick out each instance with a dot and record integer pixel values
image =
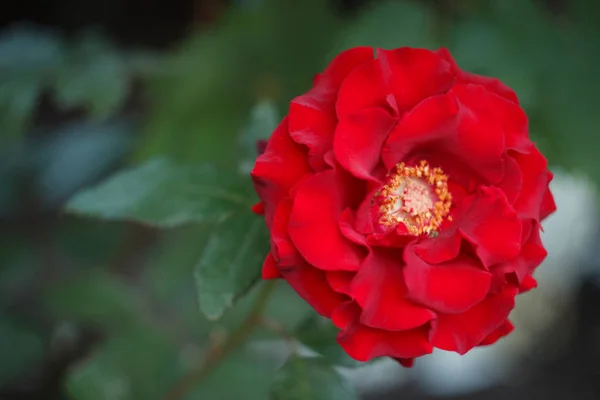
(76, 155)
(389, 25)
(270, 50)
(264, 118)
(95, 76)
(20, 347)
(96, 297)
(163, 194)
(310, 379)
(28, 59)
(239, 376)
(230, 262)
(320, 335)
(137, 364)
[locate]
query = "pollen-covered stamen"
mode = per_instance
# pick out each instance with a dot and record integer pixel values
(417, 197)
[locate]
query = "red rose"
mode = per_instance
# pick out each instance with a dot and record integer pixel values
(404, 200)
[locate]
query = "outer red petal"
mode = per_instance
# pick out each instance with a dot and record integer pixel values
(492, 226)
(380, 290)
(363, 88)
(340, 281)
(532, 254)
(506, 328)
(535, 183)
(462, 332)
(492, 84)
(258, 208)
(548, 205)
(312, 115)
(342, 65)
(406, 362)
(270, 269)
(311, 284)
(312, 125)
(359, 139)
(282, 247)
(279, 168)
(414, 74)
(314, 226)
(363, 343)
(450, 287)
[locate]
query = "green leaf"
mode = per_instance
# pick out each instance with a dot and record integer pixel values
(264, 118)
(163, 194)
(389, 25)
(28, 59)
(310, 379)
(96, 76)
(230, 262)
(320, 335)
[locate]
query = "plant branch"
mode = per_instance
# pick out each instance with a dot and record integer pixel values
(216, 353)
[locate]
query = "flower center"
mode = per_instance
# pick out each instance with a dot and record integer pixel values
(417, 197)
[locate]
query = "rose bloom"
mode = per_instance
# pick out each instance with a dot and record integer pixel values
(404, 200)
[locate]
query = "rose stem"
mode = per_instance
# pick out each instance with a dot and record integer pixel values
(215, 354)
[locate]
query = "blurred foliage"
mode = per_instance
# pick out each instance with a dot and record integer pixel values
(164, 172)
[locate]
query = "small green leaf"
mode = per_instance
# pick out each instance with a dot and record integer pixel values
(263, 121)
(310, 379)
(320, 335)
(231, 262)
(162, 194)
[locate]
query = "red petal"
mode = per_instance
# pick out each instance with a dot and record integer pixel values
(462, 332)
(284, 251)
(414, 74)
(314, 226)
(491, 84)
(340, 280)
(342, 65)
(528, 283)
(535, 183)
(312, 115)
(380, 290)
(279, 168)
(453, 123)
(359, 139)
(258, 208)
(312, 125)
(506, 328)
(444, 247)
(345, 314)
(347, 224)
(406, 362)
(450, 287)
(363, 88)
(548, 205)
(270, 269)
(532, 254)
(363, 343)
(311, 285)
(512, 183)
(492, 226)
(433, 119)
